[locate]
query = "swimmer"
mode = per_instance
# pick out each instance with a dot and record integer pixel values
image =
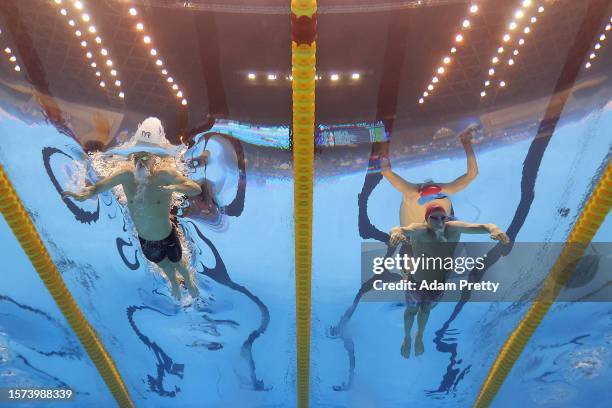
(415, 197)
(436, 236)
(148, 187)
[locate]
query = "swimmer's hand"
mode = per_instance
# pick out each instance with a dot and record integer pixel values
(385, 164)
(397, 236)
(468, 133)
(82, 195)
(499, 235)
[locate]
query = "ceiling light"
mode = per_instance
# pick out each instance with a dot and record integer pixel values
(541, 9)
(251, 75)
(466, 23)
(592, 56)
(506, 37)
(446, 60)
(500, 50)
(519, 14)
(425, 94)
(71, 23)
(109, 63)
(83, 43)
(92, 29)
(512, 25)
(179, 94)
(587, 65)
(93, 64)
(170, 79)
(158, 63)
(526, 30)
(58, 1)
(453, 50)
(184, 102)
(175, 87)
(113, 72)
(491, 71)
(435, 80)
(133, 11)
(104, 52)
(487, 82)
(140, 26)
(334, 77)
(63, 12)
(510, 61)
(421, 100)
(98, 39)
(17, 68)
(515, 52)
(502, 84)
(430, 87)
(78, 5)
(98, 73)
(526, 3)
(121, 95)
(521, 41)
(440, 70)
(164, 72)
(102, 84)
(117, 82)
(354, 75)
(483, 94)
(89, 54)
(146, 39)
(13, 58)
(153, 51)
(495, 60)
(459, 38)
(78, 33)
(271, 77)
(7, 50)
(602, 37)
(473, 8)
(85, 17)
(608, 26)
(533, 19)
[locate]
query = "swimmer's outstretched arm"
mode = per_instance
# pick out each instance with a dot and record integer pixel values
(472, 167)
(180, 184)
(399, 234)
(103, 185)
(396, 181)
(468, 228)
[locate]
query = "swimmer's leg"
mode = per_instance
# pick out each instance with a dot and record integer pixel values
(183, 269)
(169, 269)
(422, 317)
(409, 315)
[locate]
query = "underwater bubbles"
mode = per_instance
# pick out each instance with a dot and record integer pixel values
(585, 363)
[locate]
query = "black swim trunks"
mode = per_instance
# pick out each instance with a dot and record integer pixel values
(170, 247)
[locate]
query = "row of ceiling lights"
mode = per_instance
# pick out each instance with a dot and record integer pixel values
(598, 45)
(334, 77)
(146, 38)
(83, 25)
(448, 58)
(516, 33)
(11, 57)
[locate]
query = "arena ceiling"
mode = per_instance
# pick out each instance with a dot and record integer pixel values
(232, 59)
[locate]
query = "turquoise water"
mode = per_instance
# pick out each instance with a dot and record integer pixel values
(237, 346)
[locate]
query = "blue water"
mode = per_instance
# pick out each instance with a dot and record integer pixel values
(237, 347)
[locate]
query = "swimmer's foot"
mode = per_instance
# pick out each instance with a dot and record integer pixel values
(193, 290)
(406, 345)
(419, 347)
(176, 292)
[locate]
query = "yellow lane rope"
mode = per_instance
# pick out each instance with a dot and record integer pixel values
(589, 221)
(22, 226)
(303, 59)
